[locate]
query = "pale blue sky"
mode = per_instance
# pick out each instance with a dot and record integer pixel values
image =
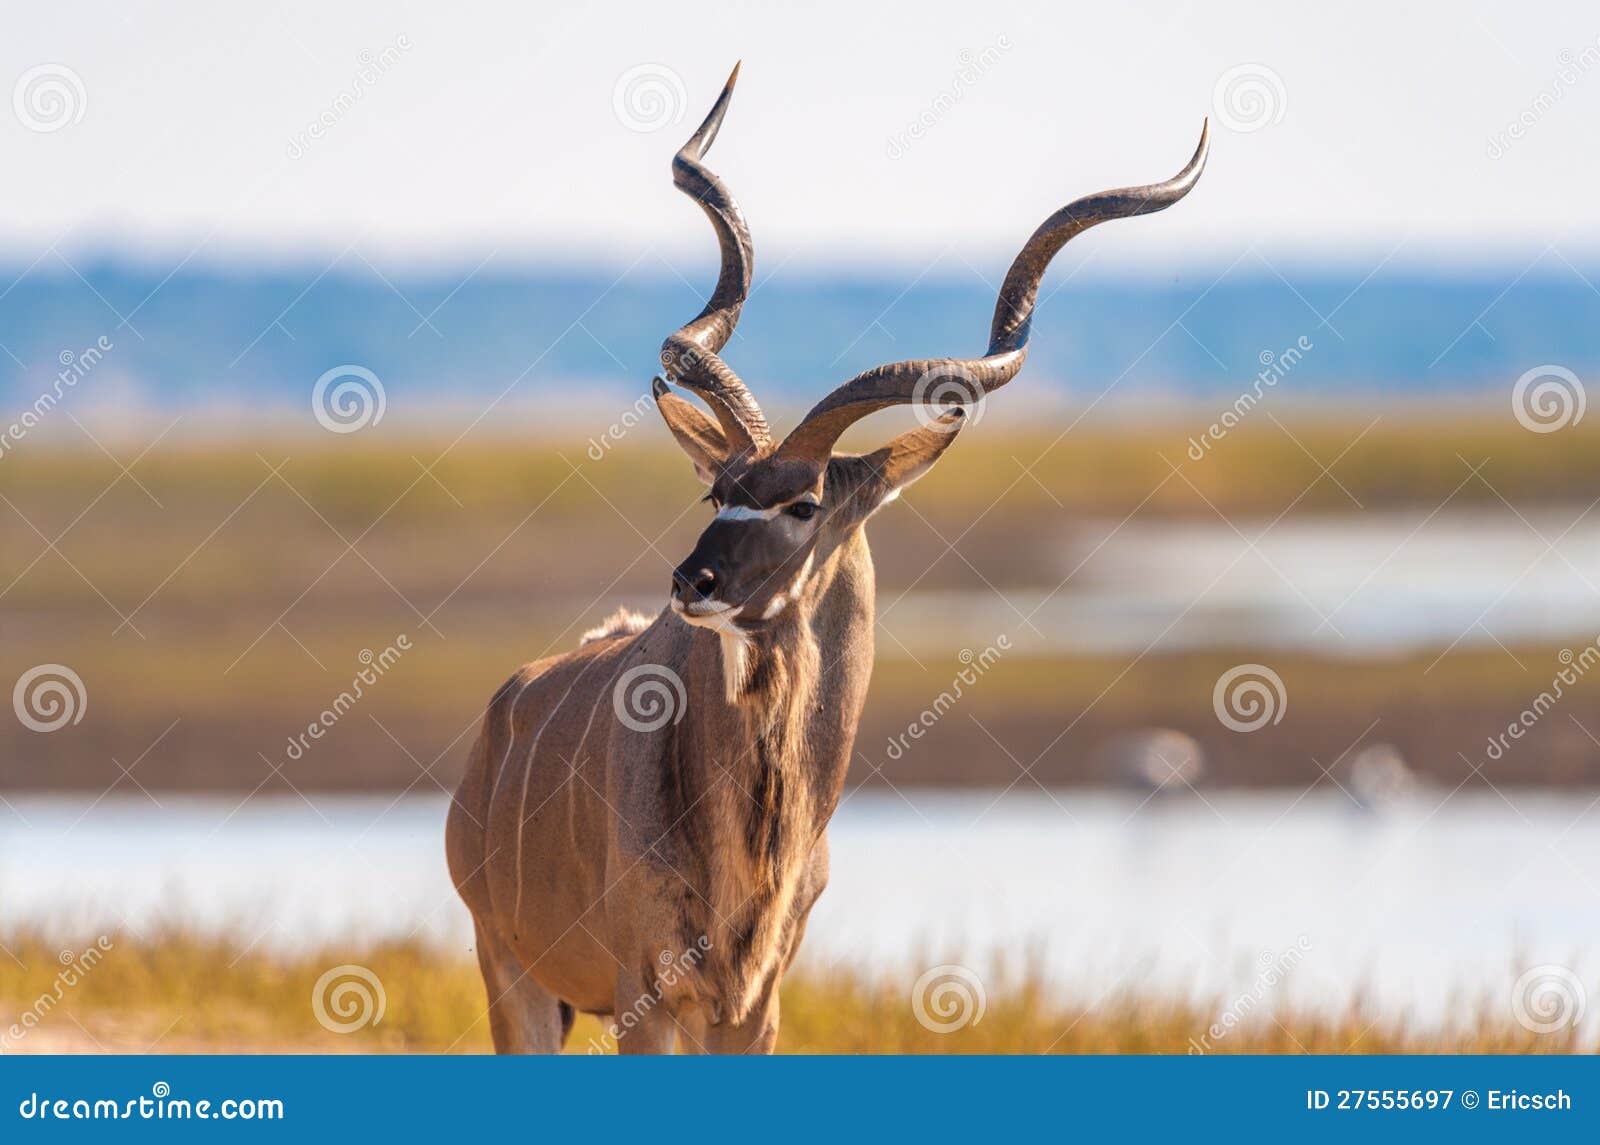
(496, 129)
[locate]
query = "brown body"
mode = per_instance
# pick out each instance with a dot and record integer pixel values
(621, 851)
(641, 828)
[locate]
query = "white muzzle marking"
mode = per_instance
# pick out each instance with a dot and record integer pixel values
(714, 614)
(720, 617)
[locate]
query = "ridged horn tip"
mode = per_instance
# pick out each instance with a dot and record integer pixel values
(1175, 188)
(659, 387)
(1201, 151)
(700, 142)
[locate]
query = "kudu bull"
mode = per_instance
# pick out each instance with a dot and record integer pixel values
(641, 828)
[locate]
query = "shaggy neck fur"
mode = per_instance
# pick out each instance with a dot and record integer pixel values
(769, 813)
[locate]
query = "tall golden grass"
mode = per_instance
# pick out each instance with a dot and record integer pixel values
(177, 992)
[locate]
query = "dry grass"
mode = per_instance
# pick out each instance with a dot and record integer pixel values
(181, 993)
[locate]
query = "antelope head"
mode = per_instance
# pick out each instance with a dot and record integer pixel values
(779, 505)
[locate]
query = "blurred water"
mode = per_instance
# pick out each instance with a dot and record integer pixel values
(1354, 584)
(219, 334)
(1432, 902)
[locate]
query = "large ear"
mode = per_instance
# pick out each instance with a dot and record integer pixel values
(700, 437)
(890, 469)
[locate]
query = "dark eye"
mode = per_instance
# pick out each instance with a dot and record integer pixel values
(801, 510)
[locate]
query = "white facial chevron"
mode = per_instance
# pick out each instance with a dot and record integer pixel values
(745, 513)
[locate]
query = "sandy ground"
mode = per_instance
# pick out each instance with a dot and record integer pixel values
(74, 1040)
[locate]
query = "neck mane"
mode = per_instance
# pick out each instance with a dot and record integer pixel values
(765, 769)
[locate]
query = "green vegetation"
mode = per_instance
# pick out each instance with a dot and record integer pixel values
(1388, 457)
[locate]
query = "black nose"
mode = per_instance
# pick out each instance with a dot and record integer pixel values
(693, 584)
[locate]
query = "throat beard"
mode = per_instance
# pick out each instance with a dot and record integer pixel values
(736, 645)
(738, 657)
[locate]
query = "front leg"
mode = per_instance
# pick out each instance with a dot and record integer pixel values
(757, 1034)
(644, 1022)
(644, 908)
